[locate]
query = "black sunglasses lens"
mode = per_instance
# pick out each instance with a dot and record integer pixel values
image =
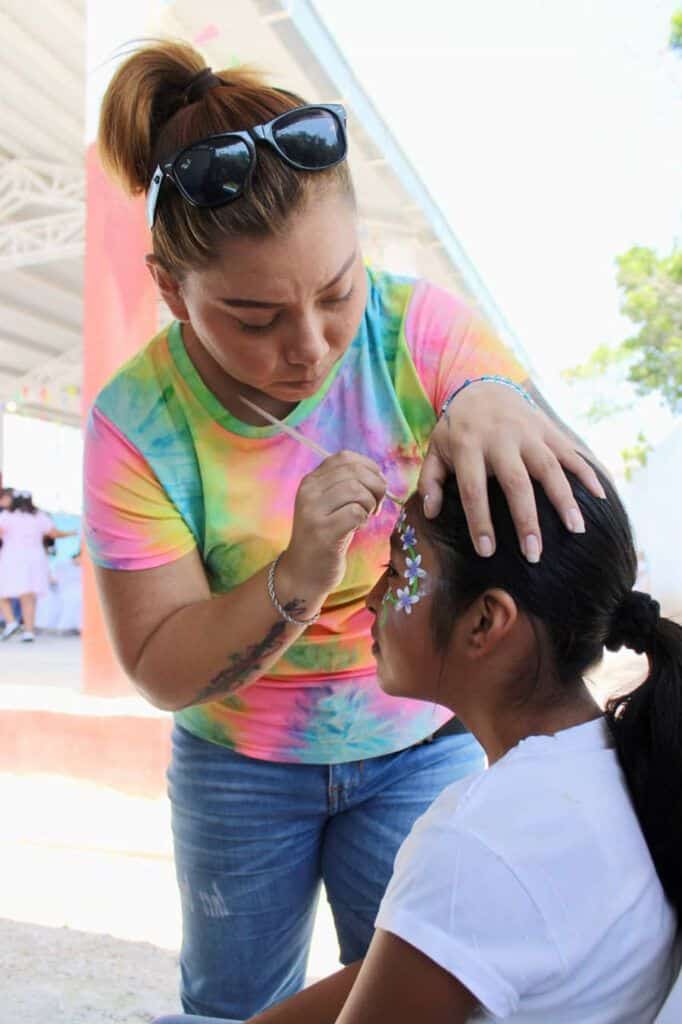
(214, 174)
(314, 140)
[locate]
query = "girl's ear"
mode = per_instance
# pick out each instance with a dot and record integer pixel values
(489, 621)
(169, 288)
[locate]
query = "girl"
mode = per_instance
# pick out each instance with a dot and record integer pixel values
(548, 887)
(24, 570)
(232, 562)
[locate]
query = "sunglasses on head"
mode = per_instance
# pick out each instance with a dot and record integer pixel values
(216, 170)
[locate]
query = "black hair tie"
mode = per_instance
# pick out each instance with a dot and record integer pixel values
(634, 623)
(199, 85)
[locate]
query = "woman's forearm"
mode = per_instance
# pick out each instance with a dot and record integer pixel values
(212, 648)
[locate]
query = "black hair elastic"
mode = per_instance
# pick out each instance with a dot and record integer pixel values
(634, 623)
(199, 85)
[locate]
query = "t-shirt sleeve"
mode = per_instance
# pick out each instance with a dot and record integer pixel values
(450, 342)
(130, 522)
(459, 903)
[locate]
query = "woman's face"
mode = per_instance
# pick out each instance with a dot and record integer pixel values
(277, 313)
(407, 662)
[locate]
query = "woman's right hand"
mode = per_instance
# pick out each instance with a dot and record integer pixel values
(331, 504)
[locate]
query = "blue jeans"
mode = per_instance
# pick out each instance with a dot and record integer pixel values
(254, 839)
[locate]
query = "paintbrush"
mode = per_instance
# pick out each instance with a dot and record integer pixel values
(302, 439)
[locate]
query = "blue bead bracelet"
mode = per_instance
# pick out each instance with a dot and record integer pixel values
(493, 378)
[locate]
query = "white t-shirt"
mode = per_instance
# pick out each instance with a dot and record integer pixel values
(532, 884)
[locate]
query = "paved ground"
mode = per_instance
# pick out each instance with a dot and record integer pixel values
(89, 916)
(52, 661)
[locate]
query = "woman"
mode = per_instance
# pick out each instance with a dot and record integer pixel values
(548, 887)
(24, 571)
(232, 561)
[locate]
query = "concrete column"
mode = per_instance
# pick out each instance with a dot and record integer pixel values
(120, 304)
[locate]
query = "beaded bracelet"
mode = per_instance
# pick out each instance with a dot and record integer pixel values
(273, 597)
(492, 377)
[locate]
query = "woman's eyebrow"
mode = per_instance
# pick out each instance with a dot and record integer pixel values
(264, 304)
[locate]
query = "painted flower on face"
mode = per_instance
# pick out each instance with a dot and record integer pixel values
(413, 569)
(404, 599)
(409, 537)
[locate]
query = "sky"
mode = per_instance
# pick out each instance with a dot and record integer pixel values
(548, 132)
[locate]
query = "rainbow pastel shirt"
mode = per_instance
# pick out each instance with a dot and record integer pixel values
(168, 468)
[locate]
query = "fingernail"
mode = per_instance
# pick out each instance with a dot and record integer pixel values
(428, 501)
(531, 548)
(575, 521)
(601, 493)
(484, 546)
(378, 509)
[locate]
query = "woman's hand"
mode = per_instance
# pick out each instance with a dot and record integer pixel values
(490, 430)
(331, 504)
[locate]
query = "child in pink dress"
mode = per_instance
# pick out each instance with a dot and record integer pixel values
(23, 562)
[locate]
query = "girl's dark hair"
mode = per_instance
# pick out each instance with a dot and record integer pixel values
(155, 105)
(581, 593)
(22, 501)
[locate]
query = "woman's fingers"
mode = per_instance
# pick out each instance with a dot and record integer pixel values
(573, 461)
(511, 472)
(544, 466)
(435, 468)
(472, 481)
(348, 492)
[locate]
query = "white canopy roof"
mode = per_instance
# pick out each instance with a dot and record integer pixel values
(42, 178)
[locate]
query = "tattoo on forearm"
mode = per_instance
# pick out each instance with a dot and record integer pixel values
(244, 664)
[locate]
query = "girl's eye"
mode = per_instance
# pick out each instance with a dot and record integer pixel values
(390, 571)
(340, 298)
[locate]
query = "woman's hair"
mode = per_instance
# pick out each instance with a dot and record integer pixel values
(22, 501)
(154, 106)
(581, 593)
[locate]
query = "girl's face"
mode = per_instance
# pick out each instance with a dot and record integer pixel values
(277, 313)
(407, 662)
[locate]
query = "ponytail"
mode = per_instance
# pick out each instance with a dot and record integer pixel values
(162, 98)
(647, 729)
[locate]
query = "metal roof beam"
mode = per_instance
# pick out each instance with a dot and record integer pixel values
(41, 240)
(27, 326)
(26, 287)
(36, 63)
(56, 121)
(31, 183)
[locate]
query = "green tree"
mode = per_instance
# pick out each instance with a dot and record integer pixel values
(636, 455)
(652, 300)
(675, 40)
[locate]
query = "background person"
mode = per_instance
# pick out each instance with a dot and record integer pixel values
(24, 569)
(232, 562)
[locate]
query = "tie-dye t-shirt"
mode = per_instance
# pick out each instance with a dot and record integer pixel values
(168, 468)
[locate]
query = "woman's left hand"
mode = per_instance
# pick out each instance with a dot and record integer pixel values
(490, 430)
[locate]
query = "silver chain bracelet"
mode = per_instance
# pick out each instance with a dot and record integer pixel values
(273, 597)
